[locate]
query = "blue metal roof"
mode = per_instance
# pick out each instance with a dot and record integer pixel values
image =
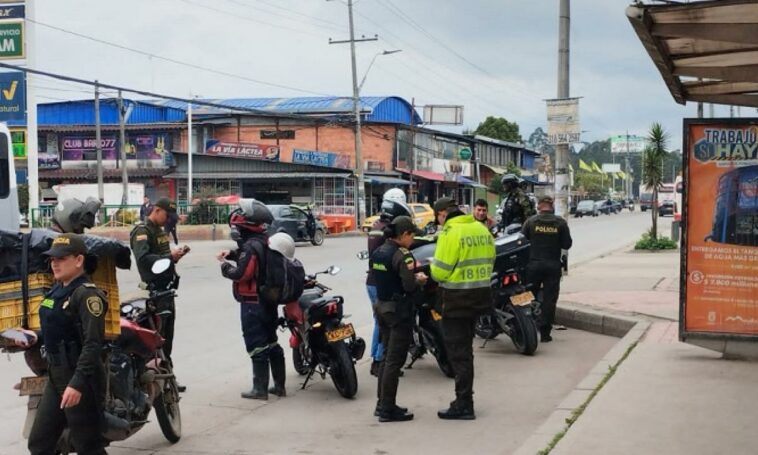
(379, 109)
(83, 113)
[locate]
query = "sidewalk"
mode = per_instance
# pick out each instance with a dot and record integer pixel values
(667, 397)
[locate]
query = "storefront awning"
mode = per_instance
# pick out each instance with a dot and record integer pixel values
(256, 175)
(91, 173)
(381, 180)
(469, 182)
(495, 169)
(429, 175)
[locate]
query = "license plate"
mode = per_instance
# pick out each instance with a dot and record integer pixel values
(32, 385)
(436, 316)
(340, 333)
(522, 299)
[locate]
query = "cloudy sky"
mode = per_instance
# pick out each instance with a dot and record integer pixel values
(495, 57)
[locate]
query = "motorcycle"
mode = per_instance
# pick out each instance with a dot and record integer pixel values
(321, 343)
(139, 376)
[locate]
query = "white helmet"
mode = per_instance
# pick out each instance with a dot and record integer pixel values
(282, 243)
(395, 194)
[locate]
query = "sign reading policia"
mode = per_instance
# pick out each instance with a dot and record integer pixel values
(719, 280)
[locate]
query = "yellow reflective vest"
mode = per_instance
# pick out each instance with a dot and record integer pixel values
(465, 254)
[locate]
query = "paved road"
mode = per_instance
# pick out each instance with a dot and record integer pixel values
(515, 393)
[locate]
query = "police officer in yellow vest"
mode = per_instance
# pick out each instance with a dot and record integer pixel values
(548, 234)
(462, 266)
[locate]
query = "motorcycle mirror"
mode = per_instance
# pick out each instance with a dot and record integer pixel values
(333, 270)
(160, 266)
(363, 255)
(126, 308)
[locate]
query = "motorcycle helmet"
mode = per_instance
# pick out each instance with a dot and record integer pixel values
(282, 243)
(392, 209)
(251, 215)
(64, 214)
(395, 194)
(85, 216)
(509, 181)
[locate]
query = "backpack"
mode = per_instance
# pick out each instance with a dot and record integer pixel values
(280, 280)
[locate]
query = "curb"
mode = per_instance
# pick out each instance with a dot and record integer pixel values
(629, 329)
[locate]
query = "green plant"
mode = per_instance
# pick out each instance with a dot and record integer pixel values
(23, 197)
(126, 217)
(647, 242)
(652, 168)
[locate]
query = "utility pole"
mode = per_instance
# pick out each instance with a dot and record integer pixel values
(189, 155)
(628, 185)
(98, 146)
(562, 150)
(360, 191)
(122, 142)
(32, 145)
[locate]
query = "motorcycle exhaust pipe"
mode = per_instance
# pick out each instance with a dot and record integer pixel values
(116, 429)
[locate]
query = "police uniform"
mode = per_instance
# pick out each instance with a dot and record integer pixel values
(150, 243)
(375, 240)
(462, 266)
(393, 269)
(548, 235)
(73, 330)
(517, 208)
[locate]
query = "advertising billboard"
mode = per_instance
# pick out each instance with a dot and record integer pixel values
(563, 121)
(13, 98)
(628, 143)
(215, 147)
(719, 279)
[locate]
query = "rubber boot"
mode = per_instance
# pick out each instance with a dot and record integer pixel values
(260, 381)
(278, 371)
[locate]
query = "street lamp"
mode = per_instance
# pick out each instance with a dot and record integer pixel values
(394, 51)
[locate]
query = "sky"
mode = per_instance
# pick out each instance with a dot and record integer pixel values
(494, 57)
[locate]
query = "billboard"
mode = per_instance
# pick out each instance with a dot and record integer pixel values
(563, 121)
(438, 114)
(78, 147)
(11, 39)
(719, 279)
(325, 159)
(215, 147)
(628, 143)
(13, 98)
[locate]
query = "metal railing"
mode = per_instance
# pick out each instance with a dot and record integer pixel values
(128, 215)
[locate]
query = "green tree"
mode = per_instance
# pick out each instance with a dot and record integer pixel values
(495, 185)
(652, 168)
(499, 128)
(23, 198)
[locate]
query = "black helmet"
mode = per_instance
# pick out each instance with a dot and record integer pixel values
(509, 180)
(250, 214)
(393, 209)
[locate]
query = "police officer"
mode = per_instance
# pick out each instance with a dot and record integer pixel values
(517, 207)
(72, 317)
(257, 318)
(549, 235)
(149, 243)
(393, 268)
(462, 266)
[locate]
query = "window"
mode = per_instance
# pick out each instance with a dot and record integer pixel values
(286, 212)
(419, 209)
(335, 196)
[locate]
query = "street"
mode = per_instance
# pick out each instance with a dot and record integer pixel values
(514, 393)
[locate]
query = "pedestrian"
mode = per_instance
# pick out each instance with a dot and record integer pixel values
(393, 268)
(462, 266)
(517, 207)
(170, 227)
(481, 208)
(375, 239)
(72, 318)
(150, 243)
(549, 236)
(145, 209)
(258, 318)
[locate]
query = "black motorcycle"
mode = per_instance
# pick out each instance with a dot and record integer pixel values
(321, 343)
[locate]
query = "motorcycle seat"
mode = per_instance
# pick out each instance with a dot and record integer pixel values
(310, 298)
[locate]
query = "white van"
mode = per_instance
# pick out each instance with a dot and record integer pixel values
(9, 214)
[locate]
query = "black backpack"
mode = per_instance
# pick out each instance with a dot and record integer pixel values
(280, 280)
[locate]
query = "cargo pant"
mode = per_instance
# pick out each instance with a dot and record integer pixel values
(396, 332)
(546, 275)
(459, 338)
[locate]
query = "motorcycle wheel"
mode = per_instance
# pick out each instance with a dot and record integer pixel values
(298, 361)
(342, 371)
(436, 345)
(524, 331)
(168, 413)
(318, 238)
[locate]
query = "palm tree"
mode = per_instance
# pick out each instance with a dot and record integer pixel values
(652, 168)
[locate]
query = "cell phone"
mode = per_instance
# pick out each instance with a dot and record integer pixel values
(185, 249)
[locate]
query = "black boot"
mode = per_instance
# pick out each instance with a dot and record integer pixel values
(458, 411)
(378, 409)
(545, 335)
(260, 381)
(395, 414)
(278, 371)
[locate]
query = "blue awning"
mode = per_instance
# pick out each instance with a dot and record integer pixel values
(380, 180)
(469, 182)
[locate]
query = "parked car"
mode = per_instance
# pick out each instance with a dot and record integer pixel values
(646, 201)
(666, 208)
(299, 222)
(602, 207)
(585, 208)
(617, 206)
(423, 216)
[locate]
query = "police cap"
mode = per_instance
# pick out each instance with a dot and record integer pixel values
(546, 200)
(166, 204)
(67, 245)
(405, 224)
(444, 203)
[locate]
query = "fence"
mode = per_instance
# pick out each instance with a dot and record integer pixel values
(128, 215)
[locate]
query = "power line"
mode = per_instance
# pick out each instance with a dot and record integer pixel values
(175, 61)
(324, 23)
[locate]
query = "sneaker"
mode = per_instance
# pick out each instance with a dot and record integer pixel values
(377, 409)
(395, 415)
(457, 412)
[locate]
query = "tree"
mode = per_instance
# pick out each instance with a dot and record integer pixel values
(499, 128)
(495, 185)
(652, 168)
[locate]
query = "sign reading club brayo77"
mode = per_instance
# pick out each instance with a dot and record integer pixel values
(719, 281)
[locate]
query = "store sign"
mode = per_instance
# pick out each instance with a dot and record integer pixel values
(11, 39)
(465, 153)
(147, 146)
(451, 167)
(719, 290)
(18, 139)
(374, 166)
(326, 159)
(48, 156)
(84, 148)
(623, 143)
(563, 121)
(13, 98)
(13, 11)
(214, 147)
(280, 134)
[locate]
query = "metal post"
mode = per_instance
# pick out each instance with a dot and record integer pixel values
(562, 150)
(360, 207)
(99, 146)
(628, 183)
(122, 142)
(32, 145)
(189, 155)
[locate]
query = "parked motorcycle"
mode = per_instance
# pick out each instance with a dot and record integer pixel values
(321, 343)
(139, 375)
